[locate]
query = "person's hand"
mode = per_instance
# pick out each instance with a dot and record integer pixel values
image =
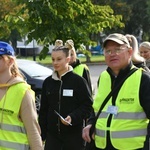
(66, 121)
(86, 133)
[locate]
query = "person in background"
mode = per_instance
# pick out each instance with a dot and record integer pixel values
(61, 94)
(78, 67)
(144, 49)
(123, 123)
(19, 128)
(137, 60)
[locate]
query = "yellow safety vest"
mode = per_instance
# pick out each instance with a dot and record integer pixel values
(79, 69)
(128, 127)
(12, 131)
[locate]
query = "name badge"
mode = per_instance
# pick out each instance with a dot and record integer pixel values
(112, 110)
(67, 92)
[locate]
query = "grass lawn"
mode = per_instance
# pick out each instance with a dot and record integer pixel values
(48, 61)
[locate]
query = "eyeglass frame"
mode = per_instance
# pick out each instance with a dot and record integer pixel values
(116, 51)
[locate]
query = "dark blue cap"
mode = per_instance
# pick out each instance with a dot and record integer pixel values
(6, 49)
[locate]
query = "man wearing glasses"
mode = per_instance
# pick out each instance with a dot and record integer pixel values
(124, 120)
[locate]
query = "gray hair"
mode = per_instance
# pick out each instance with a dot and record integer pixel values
(145, 44)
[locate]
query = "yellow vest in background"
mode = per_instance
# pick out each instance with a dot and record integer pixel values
(79, 69)
(128, 127)
(12, 131)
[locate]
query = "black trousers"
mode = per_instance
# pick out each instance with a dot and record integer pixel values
(64, 142)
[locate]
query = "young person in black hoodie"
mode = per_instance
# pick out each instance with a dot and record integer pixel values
(66, 93)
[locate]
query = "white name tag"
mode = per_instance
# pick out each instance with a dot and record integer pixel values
(67, 92)
(112, 110)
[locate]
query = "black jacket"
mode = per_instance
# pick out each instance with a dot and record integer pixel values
(77, 103)
(141, 65)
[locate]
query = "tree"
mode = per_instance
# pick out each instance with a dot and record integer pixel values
(6, 8)
(120, 7)
(135, 16)
(48, 20)
(10, 21)
(139, 19)
(51, 20)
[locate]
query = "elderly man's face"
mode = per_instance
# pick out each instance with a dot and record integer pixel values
(117, 56)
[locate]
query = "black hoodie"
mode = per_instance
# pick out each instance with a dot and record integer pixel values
(69, 95)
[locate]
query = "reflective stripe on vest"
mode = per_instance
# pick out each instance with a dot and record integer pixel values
(14, 128)
(79, 69)
(125, 115)
(12, 131)
(129, 125)
(122, 134)
(12, 145)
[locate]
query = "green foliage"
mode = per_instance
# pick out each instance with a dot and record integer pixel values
(49, 20)
(44, 52)
(80, 20)
(122, 11)
(135, 16)
(139, 18)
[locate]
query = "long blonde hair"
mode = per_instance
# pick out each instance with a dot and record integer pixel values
(14, 68)
(134, 44)
(70, 45)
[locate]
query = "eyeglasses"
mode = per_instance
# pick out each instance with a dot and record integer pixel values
(116, 51)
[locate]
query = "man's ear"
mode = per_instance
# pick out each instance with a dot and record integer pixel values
(130, 50)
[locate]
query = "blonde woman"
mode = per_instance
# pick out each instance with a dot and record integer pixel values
(19, 128)
(78, 67)
(144, 49)
(137, 60)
